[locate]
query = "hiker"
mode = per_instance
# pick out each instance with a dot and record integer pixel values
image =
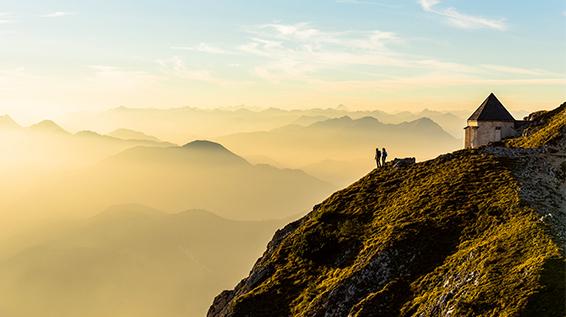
(377, 157)
(383, 156)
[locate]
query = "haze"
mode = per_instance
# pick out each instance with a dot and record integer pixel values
(151, 149)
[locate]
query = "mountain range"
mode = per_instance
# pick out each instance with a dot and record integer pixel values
(349, 143)
(179, 124)
(49, 147)
(130, 260)
(200, 174)
(477, 232)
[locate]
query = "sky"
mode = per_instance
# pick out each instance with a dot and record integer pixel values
(61, 56)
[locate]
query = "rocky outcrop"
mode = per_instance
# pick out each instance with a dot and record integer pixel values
(471, 233)
(403, 162)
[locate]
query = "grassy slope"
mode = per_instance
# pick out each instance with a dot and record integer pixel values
(553, 122)
(447, 236)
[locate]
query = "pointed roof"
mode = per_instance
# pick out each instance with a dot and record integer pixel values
(492, 110)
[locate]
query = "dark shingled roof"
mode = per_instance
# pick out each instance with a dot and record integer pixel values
(492, 110)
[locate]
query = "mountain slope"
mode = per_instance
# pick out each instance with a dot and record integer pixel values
(473, 233)
(6, 122)
(131, 261)
(548, 129)
(127, 134)
(47, 126)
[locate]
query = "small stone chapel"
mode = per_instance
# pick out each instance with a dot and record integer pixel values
(491, 122)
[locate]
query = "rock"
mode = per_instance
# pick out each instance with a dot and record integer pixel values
(403, 162)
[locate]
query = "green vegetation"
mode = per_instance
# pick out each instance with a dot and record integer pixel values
(552, 124)
(450, 236)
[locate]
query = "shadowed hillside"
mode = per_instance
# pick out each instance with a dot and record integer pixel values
(547, 130)
(472, 233)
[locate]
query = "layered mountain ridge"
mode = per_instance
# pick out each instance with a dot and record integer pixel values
(129, 260)
(472, 233)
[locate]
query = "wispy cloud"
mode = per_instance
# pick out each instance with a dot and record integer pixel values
(305, 53)
(58, 14)
(202, 48)
(304, 35)
(427, 5)
(298, 51)
(176, 67)
(117, 76)
(462, 20)
(518, 70)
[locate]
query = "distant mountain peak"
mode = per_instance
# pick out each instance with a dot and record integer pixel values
(200, 152)
(205, 145)
(424, 124)
(425, 120)
(48, 126)
(212, 150)
(347, 122)
(7, 122)
(367, 119)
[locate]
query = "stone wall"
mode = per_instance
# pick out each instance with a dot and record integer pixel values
(481, 133)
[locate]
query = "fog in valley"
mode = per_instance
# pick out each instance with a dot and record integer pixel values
(152, 151)
(119, 214)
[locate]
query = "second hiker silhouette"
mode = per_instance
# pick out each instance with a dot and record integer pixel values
(377, 157)
(383, 156)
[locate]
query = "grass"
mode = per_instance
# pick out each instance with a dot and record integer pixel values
(554, 123)
(457, 234)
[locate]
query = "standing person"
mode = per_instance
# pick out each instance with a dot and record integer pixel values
(377, 157)
(383, 156)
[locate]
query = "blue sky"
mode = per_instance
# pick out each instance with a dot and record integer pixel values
(59, 56)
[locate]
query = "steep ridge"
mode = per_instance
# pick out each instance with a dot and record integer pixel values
(47, 126)
(472, 233)
(548, 129)
(6, 122)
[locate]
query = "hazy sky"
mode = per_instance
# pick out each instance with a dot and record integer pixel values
(58, 55)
